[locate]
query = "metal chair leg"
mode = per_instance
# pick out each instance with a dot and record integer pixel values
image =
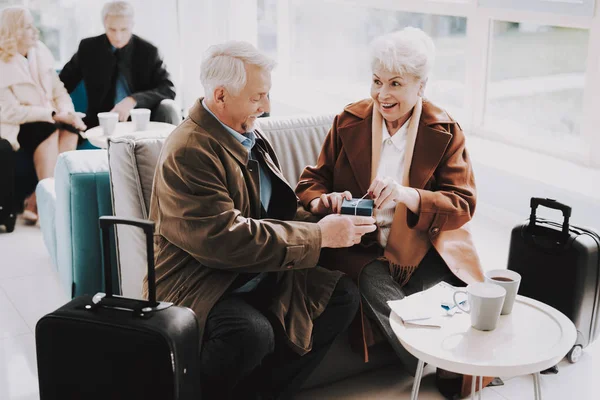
(474, 387)
(417, 381)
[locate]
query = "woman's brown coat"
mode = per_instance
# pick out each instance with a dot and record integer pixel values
(440, 171)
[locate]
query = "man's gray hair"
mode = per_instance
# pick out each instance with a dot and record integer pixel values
(409, 51)
(117, 9)
(224, 65)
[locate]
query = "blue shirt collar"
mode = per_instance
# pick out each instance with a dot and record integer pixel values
(247, 140)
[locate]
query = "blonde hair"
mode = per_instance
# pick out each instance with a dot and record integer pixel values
(12, 25)
(409, 51)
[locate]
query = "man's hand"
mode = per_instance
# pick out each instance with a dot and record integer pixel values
(330, 203)
(344, 230)
(124, 108)
(70, 118)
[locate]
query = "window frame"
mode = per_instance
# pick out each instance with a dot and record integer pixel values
(562, 7)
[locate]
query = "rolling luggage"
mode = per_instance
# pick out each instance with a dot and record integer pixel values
(8, 204)
(559, 265)
(111, 347)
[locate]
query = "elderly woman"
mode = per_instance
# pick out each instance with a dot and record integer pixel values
(409, 155)
(36, 112)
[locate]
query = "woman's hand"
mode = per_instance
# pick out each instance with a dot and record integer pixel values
(71, 119)
(384, 190)
(330, 203)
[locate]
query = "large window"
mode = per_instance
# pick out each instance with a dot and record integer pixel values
(328, 62)
(565, 7)
(523, 75)
(526, 72)
(536, 81)
(267, 27)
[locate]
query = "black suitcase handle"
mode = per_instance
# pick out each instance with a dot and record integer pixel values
(148, 226)
(550, 203)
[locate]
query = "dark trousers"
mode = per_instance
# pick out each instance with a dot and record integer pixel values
(377, 287)
(244, 355)
(32, 134)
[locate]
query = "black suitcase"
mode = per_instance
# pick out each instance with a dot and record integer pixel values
(8, 204)
(559, 265)
(111, 347)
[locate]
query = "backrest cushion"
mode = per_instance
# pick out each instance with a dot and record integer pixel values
(132, 162)
(297, 141)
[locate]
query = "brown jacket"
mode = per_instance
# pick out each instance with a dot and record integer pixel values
(440, 171)
(206, 205)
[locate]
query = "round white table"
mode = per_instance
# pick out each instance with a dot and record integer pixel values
(532, 338)
(97, 137)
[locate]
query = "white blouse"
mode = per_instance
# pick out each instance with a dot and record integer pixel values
(391, 164)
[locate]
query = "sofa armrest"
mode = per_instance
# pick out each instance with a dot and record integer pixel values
(46, 201)
(132, 162)
(82, 196)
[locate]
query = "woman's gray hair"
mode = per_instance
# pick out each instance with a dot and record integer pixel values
(224, 65)
(117, 9)
(409, 51)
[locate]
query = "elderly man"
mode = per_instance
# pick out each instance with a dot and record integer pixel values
(120, 70)
(231, 245)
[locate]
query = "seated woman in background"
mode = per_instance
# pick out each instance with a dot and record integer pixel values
(36, 112)
(409, 155)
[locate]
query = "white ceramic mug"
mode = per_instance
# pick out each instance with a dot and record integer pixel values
(108, 122)
(485, 303)
(509, 280)
(141, 118)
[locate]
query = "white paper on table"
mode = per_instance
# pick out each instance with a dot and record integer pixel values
(425, 308)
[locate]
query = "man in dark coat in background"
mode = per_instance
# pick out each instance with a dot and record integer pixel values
(121, 71)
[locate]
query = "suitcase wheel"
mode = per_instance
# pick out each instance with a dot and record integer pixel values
(10, 225)
(574, 354)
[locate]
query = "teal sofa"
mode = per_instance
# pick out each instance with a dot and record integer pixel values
(69, 206)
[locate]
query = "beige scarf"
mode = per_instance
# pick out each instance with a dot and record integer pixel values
(406, 247)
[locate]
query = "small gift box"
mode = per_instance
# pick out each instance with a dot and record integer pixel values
(358, 207)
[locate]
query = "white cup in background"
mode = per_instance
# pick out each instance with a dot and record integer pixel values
(509, 280)
(485, 303)
(108, 122)
(141, 118)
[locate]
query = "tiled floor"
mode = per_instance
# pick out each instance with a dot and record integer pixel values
(29, 288)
